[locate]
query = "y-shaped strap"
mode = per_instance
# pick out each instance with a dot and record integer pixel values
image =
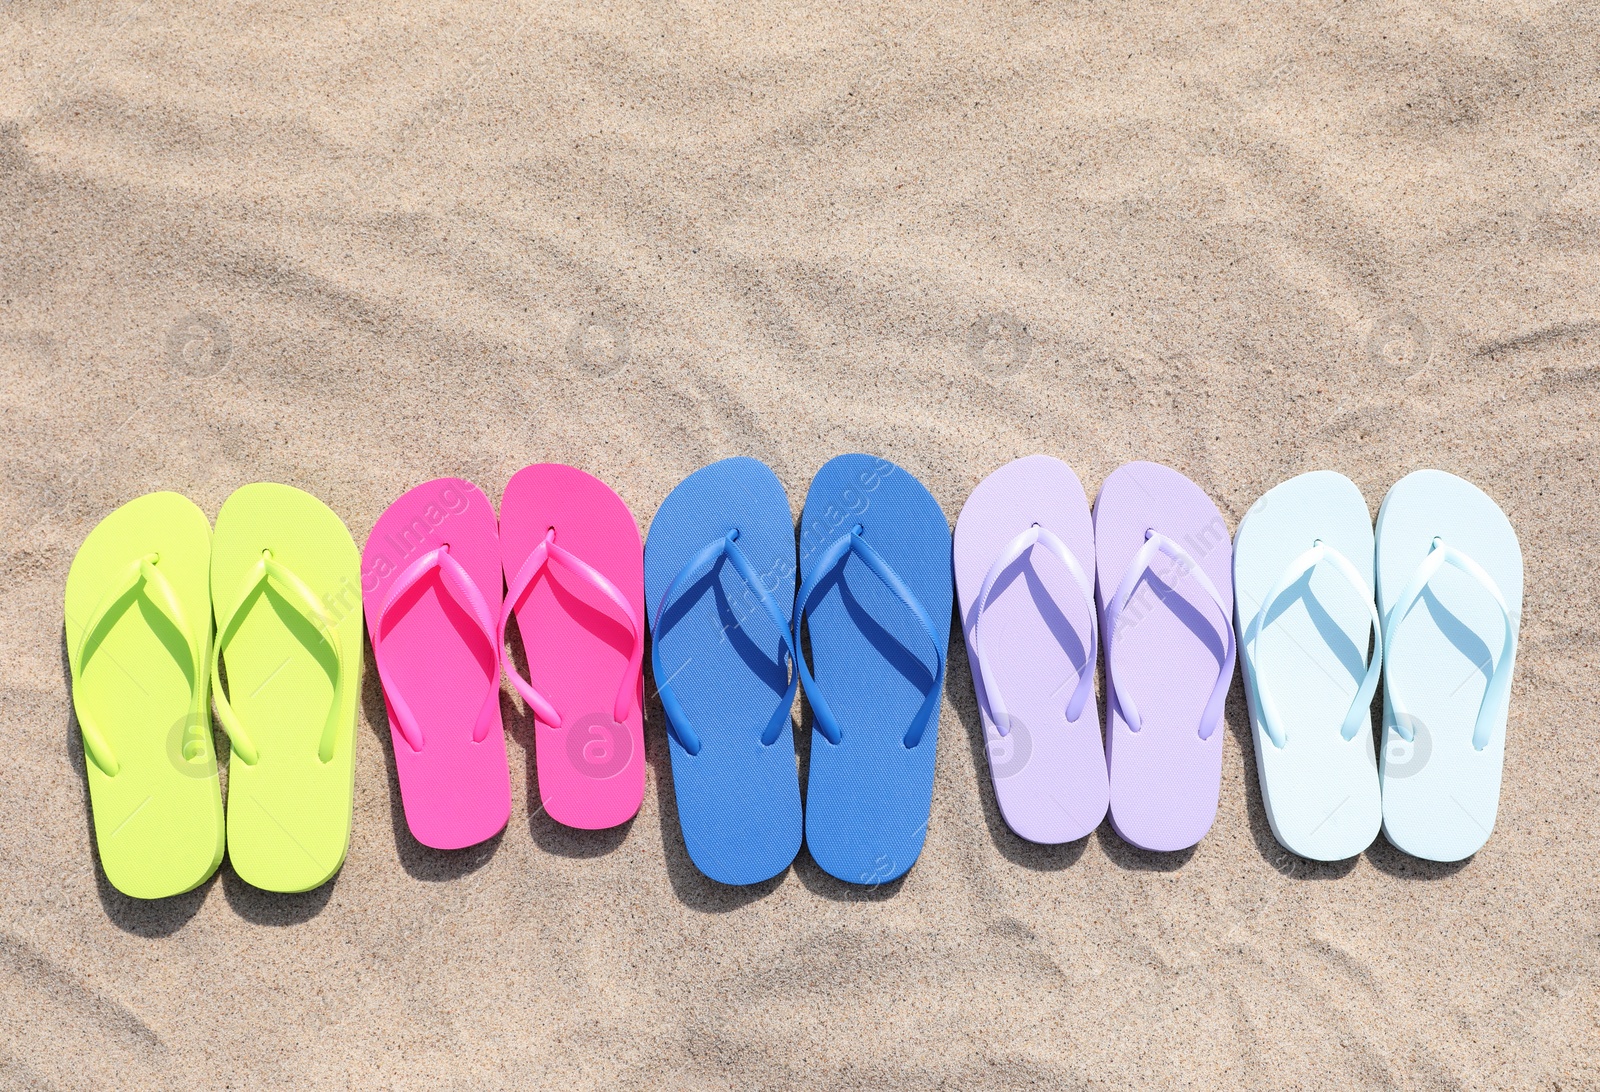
(1356, 715)
(677, 720)
(547, 551)
(166, 600)
(1015, 549)
(827, 724)
(459, 581)
(269, 570)
(1158, 543)
(1498, 692)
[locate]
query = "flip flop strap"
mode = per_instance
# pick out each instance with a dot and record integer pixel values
(1018, 546)
(1154, 543)
(166, 600)
(826, 723)
(678, 720)
(1498, 693)
(1356, 715)
(269, 570)
(466, 592)
(543, 554)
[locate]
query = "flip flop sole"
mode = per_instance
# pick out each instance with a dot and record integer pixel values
(738, 798)
(1440, 794)
(1049, 773)
(1320, 789)
(591, 770)
(158, 822)
(1165, 779)
(456, 791)
(289, 813)
(868, 796)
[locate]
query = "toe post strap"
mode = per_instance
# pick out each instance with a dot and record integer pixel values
(855, 543)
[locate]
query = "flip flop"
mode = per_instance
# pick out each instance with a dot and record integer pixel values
(430, 583)
(1163, 556)
(875, 585)
(575, 579)
(1022, 545)
(286, 588)
(138, 629)
(719, 571)
(1302, 578)
(1450, 589)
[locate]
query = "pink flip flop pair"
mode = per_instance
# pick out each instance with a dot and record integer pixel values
(441, 581)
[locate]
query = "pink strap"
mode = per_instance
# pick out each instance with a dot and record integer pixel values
(548, 551)
(459, 581)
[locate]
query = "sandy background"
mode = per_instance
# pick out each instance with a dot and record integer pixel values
(351, 250)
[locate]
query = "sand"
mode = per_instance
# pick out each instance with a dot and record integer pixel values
(353, 249)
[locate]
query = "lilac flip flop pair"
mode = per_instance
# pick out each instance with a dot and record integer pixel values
(1028, 559)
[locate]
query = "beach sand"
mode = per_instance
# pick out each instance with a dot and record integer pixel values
(354, 250)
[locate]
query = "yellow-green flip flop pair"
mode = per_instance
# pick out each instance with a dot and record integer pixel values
(282, 579)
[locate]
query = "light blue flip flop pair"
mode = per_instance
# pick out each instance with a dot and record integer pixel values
(1442, 632)
(875, 594)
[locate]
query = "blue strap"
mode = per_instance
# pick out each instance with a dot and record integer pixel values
(677, 719)
(827, 724)
(1356, 715)
(1497, 695)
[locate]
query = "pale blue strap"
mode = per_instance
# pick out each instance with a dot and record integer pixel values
(677, 719)
(1497, 695)
(1356, 715)
(1015, 549)
(827, 724)
(1158, 543)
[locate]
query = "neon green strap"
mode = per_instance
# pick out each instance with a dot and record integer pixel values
(166, 600)
(301, 597)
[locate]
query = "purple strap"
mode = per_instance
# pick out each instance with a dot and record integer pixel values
(1159, 543)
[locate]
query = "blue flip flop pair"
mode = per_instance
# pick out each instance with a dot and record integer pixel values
(1441, 630)
(875, 595)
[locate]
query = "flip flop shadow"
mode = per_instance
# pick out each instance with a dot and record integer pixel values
(148, 918)
(420, 862)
